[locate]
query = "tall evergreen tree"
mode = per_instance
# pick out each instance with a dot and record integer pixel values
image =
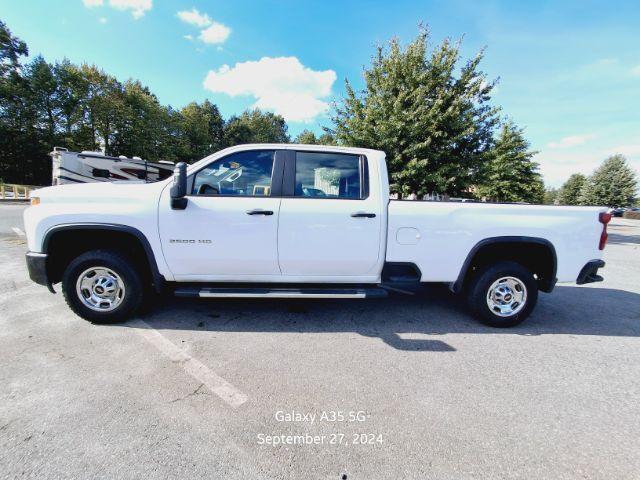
(569, 193)
(430, 114)
(613, 184)
(510, 174)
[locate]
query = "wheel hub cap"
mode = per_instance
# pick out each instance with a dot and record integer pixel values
(506, 296)
(100, 289)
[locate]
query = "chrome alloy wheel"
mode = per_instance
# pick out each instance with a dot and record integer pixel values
(506, 296)
(100, 289)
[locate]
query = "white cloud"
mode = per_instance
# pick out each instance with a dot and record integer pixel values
(137, 7)
(557, 167)
(211, 32)
(635, 71)
(194, 17)
(570, 141)
(215, 33)
(102, 20)
(189, 37)
(282, 85)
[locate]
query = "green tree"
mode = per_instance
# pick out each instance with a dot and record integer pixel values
(72, 90)
(104, 106)
(426, 111)
(203, 129)
(307, 137)
(43, 88)
(569, 193)
(11, 49)
(255, 126)
(613, 184)
(510, 174)
(550, 196)
(20, 144)
(141, 127)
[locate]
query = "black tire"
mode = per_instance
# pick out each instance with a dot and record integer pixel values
(115, 262)
(482, 281)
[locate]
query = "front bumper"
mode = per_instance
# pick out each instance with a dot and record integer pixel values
(589, 272)
(37, 266)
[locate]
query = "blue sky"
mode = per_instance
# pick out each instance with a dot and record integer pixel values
(569, 71)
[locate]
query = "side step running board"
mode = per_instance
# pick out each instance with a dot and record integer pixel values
(208, 292)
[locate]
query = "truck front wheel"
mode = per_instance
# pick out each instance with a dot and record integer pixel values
(503, 294)
(102, 286)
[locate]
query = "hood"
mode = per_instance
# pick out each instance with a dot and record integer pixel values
(97, 192)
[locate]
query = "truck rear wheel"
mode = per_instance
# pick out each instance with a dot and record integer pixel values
(503, 294)
(102, 286)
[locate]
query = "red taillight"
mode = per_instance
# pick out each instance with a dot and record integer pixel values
(604, 218)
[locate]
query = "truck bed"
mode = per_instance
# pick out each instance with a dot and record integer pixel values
(438, 236)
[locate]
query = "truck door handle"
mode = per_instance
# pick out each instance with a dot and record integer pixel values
(363, 215)
(259, 211)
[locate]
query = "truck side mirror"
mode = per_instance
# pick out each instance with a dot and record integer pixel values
(179, 188)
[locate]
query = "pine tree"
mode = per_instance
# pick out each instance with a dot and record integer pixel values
(429, 114)
(613, 184)
(569, 193)
(510, 174)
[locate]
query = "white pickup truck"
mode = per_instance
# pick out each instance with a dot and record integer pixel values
(299, 221)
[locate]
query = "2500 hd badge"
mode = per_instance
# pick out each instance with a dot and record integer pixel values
(189, 241)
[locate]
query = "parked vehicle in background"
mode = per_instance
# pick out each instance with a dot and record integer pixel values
(87, 166)
(299, 221)
(617, 212)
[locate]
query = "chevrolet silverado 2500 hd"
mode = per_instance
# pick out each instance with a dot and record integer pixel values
(291, 221)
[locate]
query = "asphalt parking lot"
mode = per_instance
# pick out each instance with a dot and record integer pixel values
(206, 389)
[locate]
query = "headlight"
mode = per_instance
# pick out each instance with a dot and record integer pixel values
(35, 200)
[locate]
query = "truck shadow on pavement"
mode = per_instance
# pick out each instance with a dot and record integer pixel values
(398, 320)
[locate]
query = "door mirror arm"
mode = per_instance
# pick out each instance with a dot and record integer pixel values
(178, 190)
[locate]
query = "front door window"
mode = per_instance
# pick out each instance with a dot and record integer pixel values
(245, 174)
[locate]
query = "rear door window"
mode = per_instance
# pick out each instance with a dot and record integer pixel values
(328, 175)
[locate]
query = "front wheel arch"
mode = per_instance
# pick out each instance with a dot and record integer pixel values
(62, 243)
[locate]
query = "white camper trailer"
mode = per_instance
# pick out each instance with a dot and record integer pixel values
(87, 166)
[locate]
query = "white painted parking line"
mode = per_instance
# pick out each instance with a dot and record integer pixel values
(18, 231)
(218, 385)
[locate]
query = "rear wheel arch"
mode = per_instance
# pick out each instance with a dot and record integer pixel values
(63, 243)
(536, 254)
